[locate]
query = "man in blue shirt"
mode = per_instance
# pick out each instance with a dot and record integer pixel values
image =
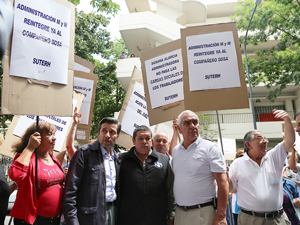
(90, 184)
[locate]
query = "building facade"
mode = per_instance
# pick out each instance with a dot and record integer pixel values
(151, 23)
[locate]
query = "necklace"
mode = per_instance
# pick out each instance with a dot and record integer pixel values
(44, 158)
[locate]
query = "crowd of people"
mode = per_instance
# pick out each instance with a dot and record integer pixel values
(158, 181)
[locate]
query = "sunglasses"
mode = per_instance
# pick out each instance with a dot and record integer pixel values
(240, 156)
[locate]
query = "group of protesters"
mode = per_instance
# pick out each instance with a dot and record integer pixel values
(149, 186)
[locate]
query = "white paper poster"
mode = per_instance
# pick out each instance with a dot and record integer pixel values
(164, 78)
(212, 61)
(41, 41)
(82, 68)
(297, 141)
(136, 113)
(229, 145)
(85, 86)
(61, 123)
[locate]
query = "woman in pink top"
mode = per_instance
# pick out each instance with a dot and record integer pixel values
(46, 208)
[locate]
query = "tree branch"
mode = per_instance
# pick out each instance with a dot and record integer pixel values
(283, 30)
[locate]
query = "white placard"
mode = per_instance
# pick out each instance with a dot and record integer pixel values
(85, 86)
(61, 123)
(212, 61)
(164, 78)
(297, 142)
(82, 68)
(229, 145)
(136, 113)
(41, 41)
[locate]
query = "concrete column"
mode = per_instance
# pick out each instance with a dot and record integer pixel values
(297, 100)
(289, 105)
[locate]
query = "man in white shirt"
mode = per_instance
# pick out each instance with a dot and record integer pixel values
(160, 142)
(196, 164)
(258, 176)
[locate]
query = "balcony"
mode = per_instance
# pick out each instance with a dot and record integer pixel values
(244, 117)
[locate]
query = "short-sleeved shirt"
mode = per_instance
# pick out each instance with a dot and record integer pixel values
(193, 170)
(259, 187)
(296, 176)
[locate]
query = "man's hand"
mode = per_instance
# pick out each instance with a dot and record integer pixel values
(76, 116)
(220, 221)
(170, 222)
(297, 202)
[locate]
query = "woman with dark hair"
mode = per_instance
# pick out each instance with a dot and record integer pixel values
(46, 208)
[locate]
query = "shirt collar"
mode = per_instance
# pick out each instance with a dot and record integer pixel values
(150, 152)
(197, 141)
(246, 157)
(104, 152)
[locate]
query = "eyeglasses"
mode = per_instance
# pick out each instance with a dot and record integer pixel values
(261, 139)
(240, 156)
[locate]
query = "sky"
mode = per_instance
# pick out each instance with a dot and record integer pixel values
(113, 27)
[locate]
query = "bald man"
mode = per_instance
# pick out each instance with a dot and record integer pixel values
(161, 143)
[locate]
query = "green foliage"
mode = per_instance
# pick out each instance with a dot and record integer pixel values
(106, 6)
(109, 94)
(278, 19)
(103, 6)
(91, 37)
(117, 47)
(204, 126)
(76, 2)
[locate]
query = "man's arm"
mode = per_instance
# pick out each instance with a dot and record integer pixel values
(293, 164)
(71, 135)
(222, 183)
(170, 196)
(174, 140)
(289, 133)
(73, 181)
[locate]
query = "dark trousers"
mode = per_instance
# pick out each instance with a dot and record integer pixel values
(40, 220)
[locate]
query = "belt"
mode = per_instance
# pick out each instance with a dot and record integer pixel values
(109, 204)
(49, 218)
(196, 206)
(268, 215)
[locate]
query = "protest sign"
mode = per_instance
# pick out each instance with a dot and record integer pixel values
(22, 96)
(41, 40)
(213, 75)
(83, 65)
(229, 147)
(137, 111)
(162, 75)
(85, 83)
(21, 123)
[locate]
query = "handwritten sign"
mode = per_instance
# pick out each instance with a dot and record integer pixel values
(212, 61)
(41, 41)
(61, 124)
(136, 113)
(164, 78)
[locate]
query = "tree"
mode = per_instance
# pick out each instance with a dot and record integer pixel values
(204, 126)
(278, 19)
(117, 47)
(109, 94)
(90, 36)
